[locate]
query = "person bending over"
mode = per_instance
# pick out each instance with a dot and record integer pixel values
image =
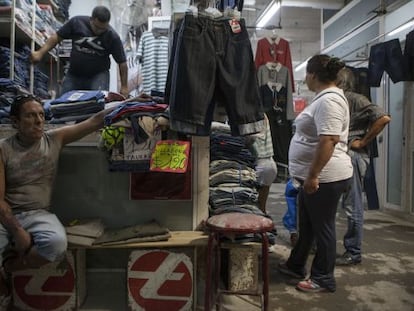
(93, 40)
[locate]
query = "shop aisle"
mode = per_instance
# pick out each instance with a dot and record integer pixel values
(384, 281)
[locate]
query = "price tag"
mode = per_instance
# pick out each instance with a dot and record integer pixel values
(170, 156)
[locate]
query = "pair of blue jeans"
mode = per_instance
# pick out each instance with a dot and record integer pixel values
(99, 81)
(213, 62)
(353, 204)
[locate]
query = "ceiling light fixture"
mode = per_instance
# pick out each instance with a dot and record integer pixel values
(401, 28)
(268, 13)
(301, 65)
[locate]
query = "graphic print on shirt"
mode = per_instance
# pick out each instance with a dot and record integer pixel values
(89, 45)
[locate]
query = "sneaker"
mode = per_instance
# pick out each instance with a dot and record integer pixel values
(284, 269)
(310, 286)
(346, 260)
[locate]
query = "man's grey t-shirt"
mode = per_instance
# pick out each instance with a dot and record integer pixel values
(29, 172)
(328, 114)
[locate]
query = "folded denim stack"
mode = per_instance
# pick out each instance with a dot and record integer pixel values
(233, 184)
(76, 106)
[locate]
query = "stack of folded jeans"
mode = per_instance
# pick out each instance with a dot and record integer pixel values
(76, 105)
(232, 180)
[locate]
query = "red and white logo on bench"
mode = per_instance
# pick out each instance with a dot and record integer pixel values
(48, 288)
(159, 280)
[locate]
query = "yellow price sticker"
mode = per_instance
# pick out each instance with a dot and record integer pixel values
(170, 156)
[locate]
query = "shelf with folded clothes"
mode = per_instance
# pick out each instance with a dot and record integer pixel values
(58, 11)
(23, 32)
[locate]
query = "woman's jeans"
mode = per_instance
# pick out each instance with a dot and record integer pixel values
(317, 214)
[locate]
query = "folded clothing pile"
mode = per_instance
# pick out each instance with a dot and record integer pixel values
(147, 232)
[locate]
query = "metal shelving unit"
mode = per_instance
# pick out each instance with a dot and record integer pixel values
(21, 34)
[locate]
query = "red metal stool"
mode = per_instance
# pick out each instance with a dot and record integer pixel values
(230, 224)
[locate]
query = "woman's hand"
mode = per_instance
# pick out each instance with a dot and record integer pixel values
(311, 185)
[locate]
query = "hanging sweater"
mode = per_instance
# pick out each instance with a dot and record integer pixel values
(274, 50)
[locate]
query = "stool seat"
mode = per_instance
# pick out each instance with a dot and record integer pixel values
(240, 223)
(235, 223)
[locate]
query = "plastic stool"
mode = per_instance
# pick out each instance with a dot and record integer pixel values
(230, 224)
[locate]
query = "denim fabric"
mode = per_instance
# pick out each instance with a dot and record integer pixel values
(98, 82)
(219, 165)
(48, 233)
(232, 148)
(317, 213)
(353, 204)
(237, 178)
(232, 196)
(213, 63)
(291, 195)
(409, 55)
(386, 56)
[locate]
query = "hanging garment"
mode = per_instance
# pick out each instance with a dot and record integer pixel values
(213, 62)
(386, 56)
(275, 50)
(409, 55)
(271, 74)
(153, 55)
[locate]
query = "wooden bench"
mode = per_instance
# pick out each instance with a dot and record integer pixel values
(177, 239)
(71, 275)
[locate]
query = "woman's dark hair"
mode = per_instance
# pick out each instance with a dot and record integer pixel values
(101, 13)
(324, 67)
(18, 102)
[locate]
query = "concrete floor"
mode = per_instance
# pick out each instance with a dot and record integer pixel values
(384, 281)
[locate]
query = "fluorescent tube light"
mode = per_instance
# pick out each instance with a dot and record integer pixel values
(401, 28)
(268, 13)
(301, 65)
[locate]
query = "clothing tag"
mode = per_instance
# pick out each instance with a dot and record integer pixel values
(235, 26)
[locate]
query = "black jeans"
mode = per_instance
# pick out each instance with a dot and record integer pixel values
(213, 62)
(386, 56)
(317, 213)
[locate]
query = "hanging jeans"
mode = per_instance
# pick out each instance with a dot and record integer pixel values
(386, 56)
(213, 62)
(409, 55)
